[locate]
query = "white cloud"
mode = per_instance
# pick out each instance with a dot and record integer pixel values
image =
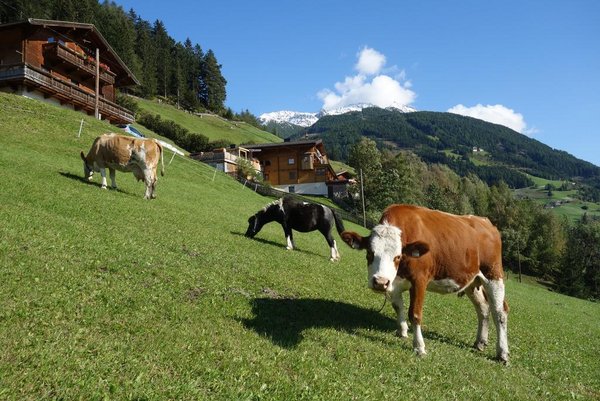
(370, 61)
(380, 90)
(497, 114)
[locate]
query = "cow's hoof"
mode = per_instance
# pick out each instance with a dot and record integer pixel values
(420, 352)
(104, 187)
(289, 248)
(401, 334)
(480, 345)
(503, 358)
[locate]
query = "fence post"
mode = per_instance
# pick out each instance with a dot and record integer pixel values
(80, 127)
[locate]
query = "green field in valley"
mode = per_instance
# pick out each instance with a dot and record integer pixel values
(563, 203)
(107, 296)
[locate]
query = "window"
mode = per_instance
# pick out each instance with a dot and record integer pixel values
(291, 189)
(291, 161)
(267, 162)
(320, 172)
(292, 175)
(307, 161)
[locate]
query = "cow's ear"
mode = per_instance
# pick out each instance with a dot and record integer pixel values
(415, 249)
(354, 240)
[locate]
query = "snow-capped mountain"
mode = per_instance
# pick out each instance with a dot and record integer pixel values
(292, 117)
(305, 119)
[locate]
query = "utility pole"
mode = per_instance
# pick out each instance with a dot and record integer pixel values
(96, 109)
(362, 197)
(519, 255)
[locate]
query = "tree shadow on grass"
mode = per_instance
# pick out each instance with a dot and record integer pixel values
(87, 182)
(273, 243)
(284, 320)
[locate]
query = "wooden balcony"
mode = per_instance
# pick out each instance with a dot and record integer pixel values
(74, 63)
(66, 92)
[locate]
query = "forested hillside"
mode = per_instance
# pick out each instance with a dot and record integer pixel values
(449, 139)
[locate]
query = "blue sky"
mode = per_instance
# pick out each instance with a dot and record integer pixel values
(530, 65)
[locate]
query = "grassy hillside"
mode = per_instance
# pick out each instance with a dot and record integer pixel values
(211, 126)
(104, 295)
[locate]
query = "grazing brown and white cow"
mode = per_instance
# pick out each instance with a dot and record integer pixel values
(123, 153)
(418, 249)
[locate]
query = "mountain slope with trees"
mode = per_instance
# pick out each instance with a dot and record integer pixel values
(449, 139)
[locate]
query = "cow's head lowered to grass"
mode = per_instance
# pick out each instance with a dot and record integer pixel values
(385, 254)
(88, 170)
(118, 152)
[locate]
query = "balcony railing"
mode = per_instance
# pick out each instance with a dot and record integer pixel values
(57, 51)
(64, 91)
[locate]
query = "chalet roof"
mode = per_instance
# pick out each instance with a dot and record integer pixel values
(92, 38)
(310, 142)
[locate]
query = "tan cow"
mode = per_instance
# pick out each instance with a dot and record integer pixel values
(418, 249)
(127, 154)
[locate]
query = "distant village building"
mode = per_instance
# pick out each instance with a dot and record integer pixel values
(56, 61)
(299, 167)
(227, 159)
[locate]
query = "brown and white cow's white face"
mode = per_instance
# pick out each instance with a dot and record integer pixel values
(384, 254)
(383, 257)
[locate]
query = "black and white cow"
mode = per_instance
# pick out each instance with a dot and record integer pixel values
(300, 216)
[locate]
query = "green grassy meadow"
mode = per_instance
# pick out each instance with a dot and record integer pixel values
(211, 126)
(107, 296)
(570, 207)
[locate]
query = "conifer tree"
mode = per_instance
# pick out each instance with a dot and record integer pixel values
(164, 62)
(212, 83)
(146, 51)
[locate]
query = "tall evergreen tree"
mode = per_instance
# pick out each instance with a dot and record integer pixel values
(119, 30)
(146, 51)
(212, 86)
(164, 62)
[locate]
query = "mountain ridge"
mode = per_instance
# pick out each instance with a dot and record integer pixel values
(306, 119)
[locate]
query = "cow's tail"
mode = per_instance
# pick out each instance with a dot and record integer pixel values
(162, 162)
(339, 224)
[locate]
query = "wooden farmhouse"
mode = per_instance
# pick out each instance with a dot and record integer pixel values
(227, 159)
(56, 61)
(299, 167)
